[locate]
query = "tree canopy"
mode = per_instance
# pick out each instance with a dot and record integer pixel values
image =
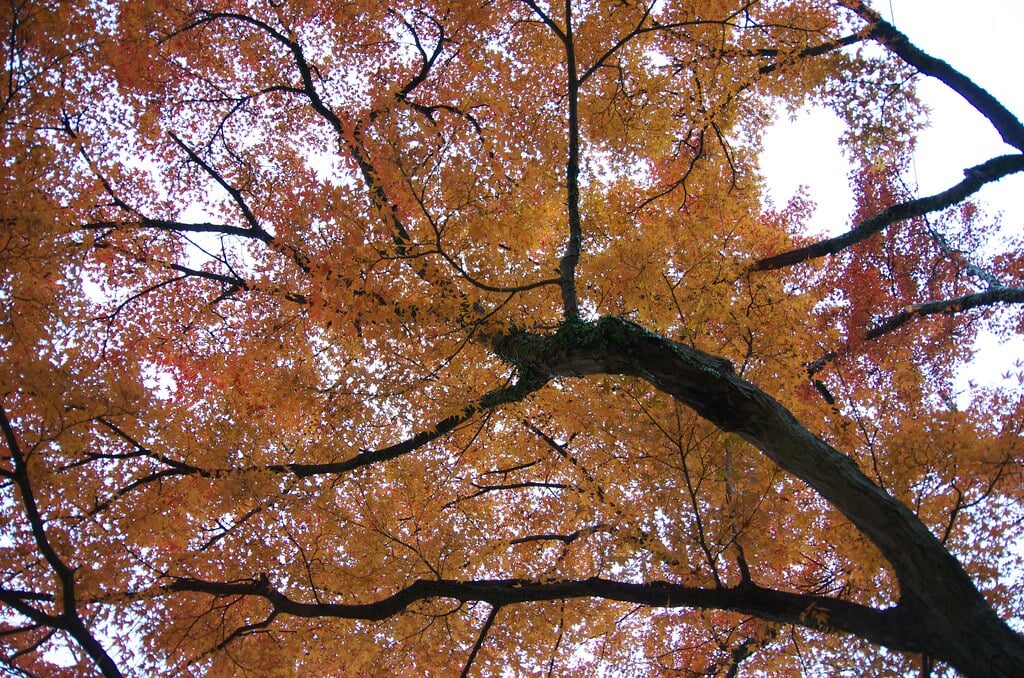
(440, 336)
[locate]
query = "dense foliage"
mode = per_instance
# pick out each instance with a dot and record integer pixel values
(428, 336)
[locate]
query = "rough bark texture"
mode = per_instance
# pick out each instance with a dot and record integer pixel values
(947, 617)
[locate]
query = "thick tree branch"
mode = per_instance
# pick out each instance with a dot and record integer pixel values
(571, 256)
(997, 294)
(484, 489)
(175, 227)
(142, 450)
(932, 582)
(1009, 127)
(813, 51)
(563, 538)
(255, 229)
(622, 42)
(1006, 123)
(18, 601)
(347, 134)
(427, 61)
(892, 628)
(546, 19)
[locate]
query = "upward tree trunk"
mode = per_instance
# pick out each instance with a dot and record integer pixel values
(952, 621)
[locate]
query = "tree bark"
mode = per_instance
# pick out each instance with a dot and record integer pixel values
(951, 619)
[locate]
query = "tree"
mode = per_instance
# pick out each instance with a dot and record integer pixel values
(438, 336)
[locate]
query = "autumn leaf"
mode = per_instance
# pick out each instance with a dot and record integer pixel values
(428, 337)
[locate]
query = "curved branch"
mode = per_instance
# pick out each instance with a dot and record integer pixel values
(563, 538)
(427, 60)
(230, 281)
(546, 19)
(356, 149)
(492, 399)
(890, 628)
(813, 51)
(992, 296)
(525, 485)
(621, 42)
(974, 178)
(156, 476)
(479, 284)
(932, 581)
(1006, 123)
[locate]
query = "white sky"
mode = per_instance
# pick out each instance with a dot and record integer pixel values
(982, 39)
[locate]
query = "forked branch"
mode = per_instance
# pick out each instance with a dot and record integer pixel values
(68, 618)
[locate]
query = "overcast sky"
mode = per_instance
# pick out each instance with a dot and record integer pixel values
(980, 38)
(983, 40)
